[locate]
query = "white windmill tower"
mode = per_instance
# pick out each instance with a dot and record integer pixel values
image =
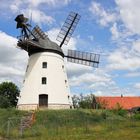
(45, 83)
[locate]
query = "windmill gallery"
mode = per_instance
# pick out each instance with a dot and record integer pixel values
(45, 83)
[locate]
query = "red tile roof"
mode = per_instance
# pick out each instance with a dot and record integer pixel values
(124, 102)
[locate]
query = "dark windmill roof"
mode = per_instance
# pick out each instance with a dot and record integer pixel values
(42, 45)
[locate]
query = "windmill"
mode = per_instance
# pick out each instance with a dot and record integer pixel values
(45, 83)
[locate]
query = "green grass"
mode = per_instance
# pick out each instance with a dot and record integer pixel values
(72, 125)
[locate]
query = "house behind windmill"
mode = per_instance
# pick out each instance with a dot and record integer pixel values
(116, 102)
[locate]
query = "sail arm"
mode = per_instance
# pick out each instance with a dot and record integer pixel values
(68, 28)
(84, 58)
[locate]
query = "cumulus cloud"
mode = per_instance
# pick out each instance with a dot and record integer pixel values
(123, 59)
(89, 77)
(132, 74)
(115, 32)
(123, 21)
(16, 4)
(124, 25)
(38, 16)
(9, 71)
(137, 85)
(77, 70)
(12, 60)
(124, 33)
(129, 13)
(104, 17)
(111, 90)
(53, 34)
(31, 7)
(53, 3)
(136, 46)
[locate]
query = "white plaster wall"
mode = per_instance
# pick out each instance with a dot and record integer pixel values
(56, 87)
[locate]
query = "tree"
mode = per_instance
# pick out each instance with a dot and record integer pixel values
(9, 94)
(84, 101)
(75, 100)
(88, 101)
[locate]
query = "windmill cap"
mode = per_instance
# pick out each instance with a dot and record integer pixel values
(49, 45)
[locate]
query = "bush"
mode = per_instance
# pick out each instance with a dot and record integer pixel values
(104, 115)
(120, 112)
(136, 116)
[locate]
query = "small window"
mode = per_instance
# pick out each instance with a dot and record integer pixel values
(44, 80)
(62, 66)
(44, 65)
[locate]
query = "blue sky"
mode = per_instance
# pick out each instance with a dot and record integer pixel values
(108, 27)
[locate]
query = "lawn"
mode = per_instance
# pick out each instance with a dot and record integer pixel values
(80, 124)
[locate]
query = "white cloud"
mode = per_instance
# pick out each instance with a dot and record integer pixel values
(89, 78)
(129, 13)
(54, 3)
(115, 32)
(10, 71)
(102, 84)
(75, 70)
(6, 40)
(137, 85)
(14, 8)
(132, 74)
(32, 7)
(38, 16)
(114, 91)
(124, 19)
(123, 59)
(53, 34)
(98, 93)
(136, 46)
(104, 17)
(126, 56)
(13, 60)
(71, 45)
(17, 4)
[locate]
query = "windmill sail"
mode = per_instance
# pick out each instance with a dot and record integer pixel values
(68, 28)
(38, 33)
(84, 58)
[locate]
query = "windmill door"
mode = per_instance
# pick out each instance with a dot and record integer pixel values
(43, 100)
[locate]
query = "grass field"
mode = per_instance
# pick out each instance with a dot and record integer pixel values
(71, 125)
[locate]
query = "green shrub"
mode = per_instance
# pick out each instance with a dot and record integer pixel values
(104, 115)
(122, 112)
(137, 116)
